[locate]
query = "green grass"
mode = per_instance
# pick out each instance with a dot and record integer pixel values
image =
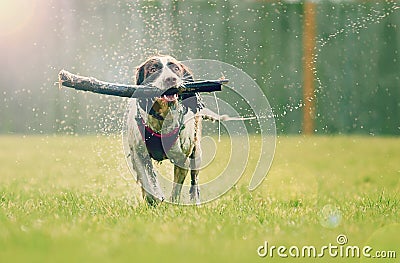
(72, 199)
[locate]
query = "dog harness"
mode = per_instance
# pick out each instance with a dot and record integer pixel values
(157, 144)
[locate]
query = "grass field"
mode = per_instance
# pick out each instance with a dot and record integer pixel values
(72, 199)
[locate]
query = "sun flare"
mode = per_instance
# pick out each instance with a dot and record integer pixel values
(15, 15)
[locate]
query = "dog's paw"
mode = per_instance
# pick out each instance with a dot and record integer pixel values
(152, 200)
(175, 199)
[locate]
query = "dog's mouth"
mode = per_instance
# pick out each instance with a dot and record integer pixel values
(169, 98)
(169, 95)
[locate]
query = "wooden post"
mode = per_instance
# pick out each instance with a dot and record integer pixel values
(309, 28)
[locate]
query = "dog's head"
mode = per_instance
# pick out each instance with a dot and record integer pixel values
(163, 72)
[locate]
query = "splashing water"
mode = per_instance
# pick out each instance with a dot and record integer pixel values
(351, 27)
(354, 27)
(163, 33)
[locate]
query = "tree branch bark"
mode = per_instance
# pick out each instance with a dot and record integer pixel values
(91, 84)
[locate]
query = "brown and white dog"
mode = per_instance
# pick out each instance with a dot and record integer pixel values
(167, 127)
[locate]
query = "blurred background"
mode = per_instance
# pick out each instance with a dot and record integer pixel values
(350, 48)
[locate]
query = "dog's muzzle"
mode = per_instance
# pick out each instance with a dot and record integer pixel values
(169, 98)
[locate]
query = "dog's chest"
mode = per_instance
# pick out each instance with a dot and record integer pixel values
(172, 136)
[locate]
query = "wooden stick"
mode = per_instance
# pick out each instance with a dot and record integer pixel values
(77, 82)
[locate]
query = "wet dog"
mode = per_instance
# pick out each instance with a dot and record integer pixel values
(166, 127)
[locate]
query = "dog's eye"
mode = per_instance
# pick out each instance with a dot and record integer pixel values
(176, 69)
(152, 70)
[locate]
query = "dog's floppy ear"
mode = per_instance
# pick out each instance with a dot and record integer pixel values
(187, 74)
(139, 76)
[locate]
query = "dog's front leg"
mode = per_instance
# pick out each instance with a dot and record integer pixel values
(179, 177)
(146, 175)
(181, 167)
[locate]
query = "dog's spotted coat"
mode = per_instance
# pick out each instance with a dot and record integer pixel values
(168, 127)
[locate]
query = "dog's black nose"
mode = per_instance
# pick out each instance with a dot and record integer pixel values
(170, 81)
